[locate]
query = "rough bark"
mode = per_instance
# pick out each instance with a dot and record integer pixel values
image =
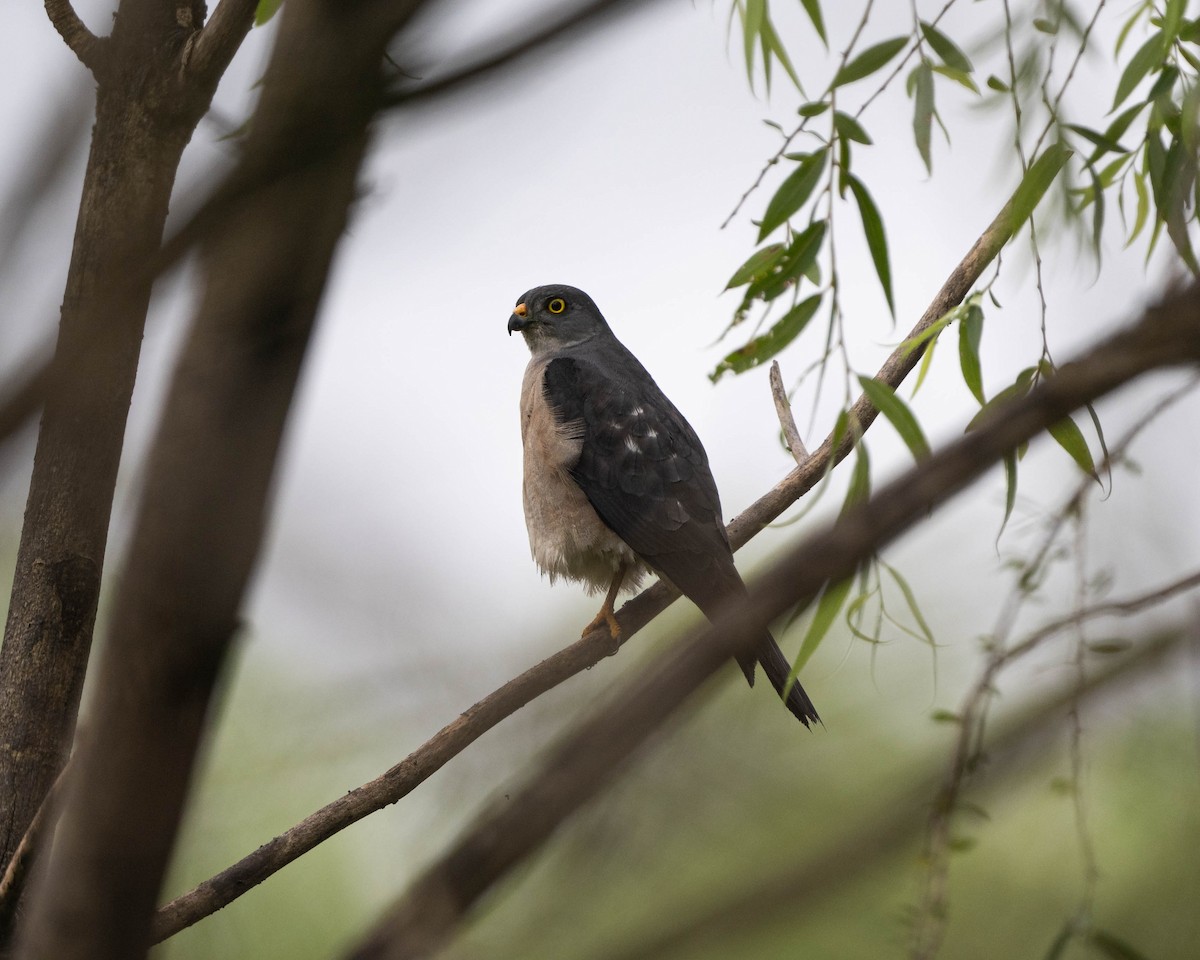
(207, 484)
(147, 106)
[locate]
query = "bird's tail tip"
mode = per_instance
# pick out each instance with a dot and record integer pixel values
(801, 707)
(779, 672)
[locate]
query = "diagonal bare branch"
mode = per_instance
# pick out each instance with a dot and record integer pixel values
(523, 42)
(895, 825)
(219, 891)
(584, 761)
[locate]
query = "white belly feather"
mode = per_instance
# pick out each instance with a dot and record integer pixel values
(566, 536)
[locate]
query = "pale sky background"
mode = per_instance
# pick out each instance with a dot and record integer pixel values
(610, 166)
(397, 562)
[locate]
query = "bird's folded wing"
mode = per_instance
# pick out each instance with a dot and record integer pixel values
(643, 469)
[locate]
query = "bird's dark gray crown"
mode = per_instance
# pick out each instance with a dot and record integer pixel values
(578, 319)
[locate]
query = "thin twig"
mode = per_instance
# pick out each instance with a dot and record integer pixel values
(899, 67)
(787, 423)
(762, 174)
(973, 714)
(526, 41)
(1112, 608)
(788, 138)
(1083, 42)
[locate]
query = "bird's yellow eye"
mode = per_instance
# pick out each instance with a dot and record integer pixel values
(557, 305)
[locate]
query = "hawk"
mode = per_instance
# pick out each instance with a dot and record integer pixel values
(616, 482)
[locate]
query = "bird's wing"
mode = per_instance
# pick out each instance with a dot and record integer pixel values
(643, 469)
(646, 475)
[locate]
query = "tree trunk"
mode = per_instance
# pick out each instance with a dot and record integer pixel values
(201, 517)
(146, 110)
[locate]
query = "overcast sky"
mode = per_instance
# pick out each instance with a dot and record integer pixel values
(611, 166)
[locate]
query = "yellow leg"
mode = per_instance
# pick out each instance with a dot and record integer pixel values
(606, 615)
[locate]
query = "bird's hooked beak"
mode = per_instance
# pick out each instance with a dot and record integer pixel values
(519, 319)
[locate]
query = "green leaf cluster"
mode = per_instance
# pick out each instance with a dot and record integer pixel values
(949, 61)
(778, 269)
(1141, 158)
(1145, 157)
(866, 602)
(1066, 432)
(761, 38)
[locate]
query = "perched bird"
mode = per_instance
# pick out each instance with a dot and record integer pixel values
(616, 482)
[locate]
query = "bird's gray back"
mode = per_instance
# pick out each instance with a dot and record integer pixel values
(642, 466)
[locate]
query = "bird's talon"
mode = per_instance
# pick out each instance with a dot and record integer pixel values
(606, 615)
(607, 619)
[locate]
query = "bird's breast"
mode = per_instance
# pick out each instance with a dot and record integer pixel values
(566, 535)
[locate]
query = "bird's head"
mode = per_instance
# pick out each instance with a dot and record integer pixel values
(556, 316)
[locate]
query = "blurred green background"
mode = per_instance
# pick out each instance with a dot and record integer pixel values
(732, 795)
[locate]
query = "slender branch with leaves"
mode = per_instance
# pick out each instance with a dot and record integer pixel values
(1140, 158)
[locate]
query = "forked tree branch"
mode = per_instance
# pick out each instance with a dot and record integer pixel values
(230, 20)
(583, 762)
(82, 42)
(219, 40)
(223, 888)
(58, 570)
(524, 42)
(174, 613)
(213, 47)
